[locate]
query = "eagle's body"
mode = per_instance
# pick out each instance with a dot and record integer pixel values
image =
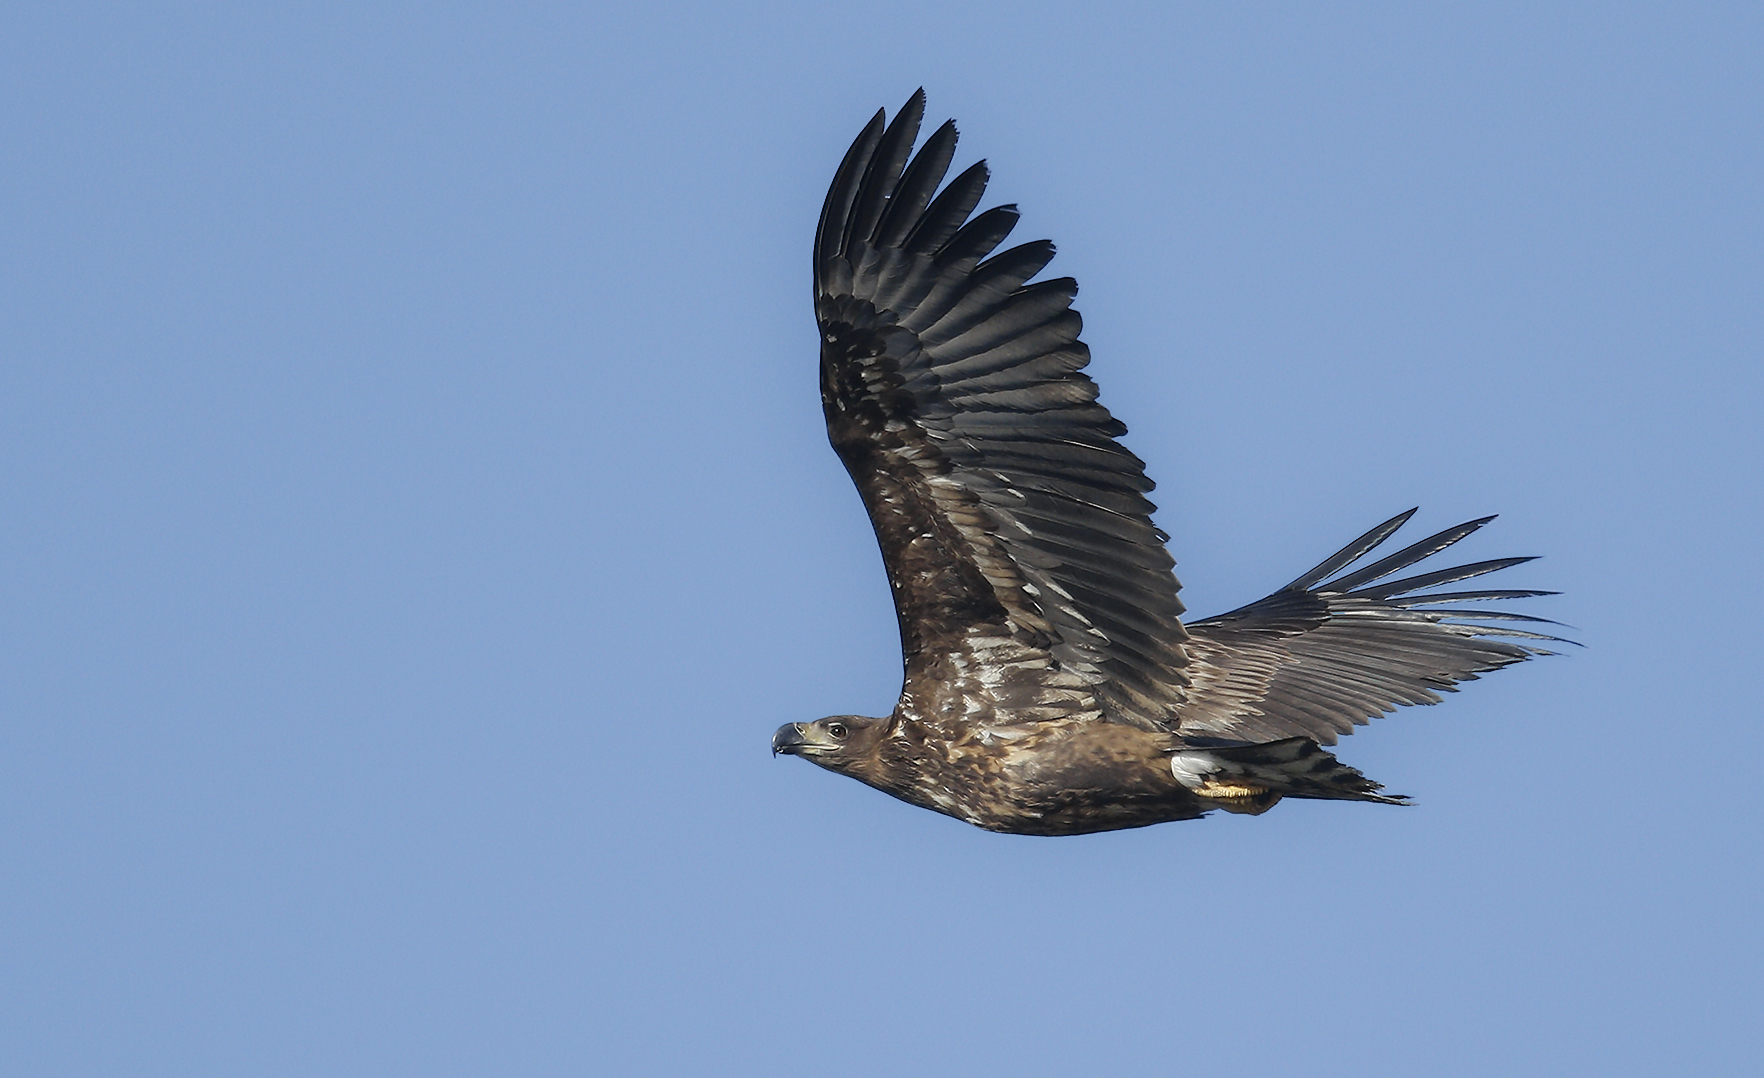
(1066, 777)
(1051, 686)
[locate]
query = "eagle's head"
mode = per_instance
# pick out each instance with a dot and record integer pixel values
(843, 743)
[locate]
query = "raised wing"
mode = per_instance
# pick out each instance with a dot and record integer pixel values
(1004, 506)
(1320, 656)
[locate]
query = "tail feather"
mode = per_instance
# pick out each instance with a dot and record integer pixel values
(1291, 767)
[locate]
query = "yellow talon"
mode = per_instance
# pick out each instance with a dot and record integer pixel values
(1229, 789)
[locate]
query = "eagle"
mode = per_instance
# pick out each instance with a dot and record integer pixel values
(1051, 686)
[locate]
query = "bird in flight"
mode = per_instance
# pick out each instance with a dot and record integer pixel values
(1051, 686)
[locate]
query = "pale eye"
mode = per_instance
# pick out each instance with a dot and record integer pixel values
(837, 729)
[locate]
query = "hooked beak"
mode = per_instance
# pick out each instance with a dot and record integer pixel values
(788, 739)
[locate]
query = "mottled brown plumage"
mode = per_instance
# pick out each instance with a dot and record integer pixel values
(1050, 685)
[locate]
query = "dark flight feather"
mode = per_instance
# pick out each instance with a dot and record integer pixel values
(952, 393)
(1321, 656)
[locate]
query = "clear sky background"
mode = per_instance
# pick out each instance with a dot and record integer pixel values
(417, 517)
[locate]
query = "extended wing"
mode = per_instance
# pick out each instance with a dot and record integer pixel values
(1320, 656)
(1004, 506)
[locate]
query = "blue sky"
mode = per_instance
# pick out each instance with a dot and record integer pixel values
(417, 518)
